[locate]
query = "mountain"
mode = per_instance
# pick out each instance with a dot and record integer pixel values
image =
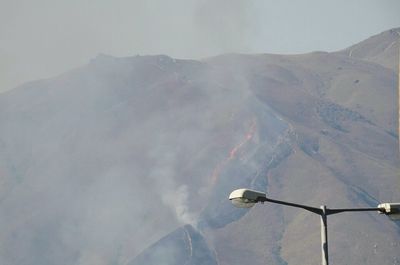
(382, 49)
(183, 246)
(130, 160)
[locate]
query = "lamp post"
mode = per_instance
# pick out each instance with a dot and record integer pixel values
(246, 198)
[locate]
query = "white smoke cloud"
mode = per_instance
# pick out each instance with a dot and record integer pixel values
(178, 201)
(224, 26)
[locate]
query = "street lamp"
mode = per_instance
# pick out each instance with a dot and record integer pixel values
(246, 198)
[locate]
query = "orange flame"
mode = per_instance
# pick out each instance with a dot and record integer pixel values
(232, 154)
(249, 136)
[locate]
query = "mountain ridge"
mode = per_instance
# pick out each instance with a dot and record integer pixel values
(108, 162)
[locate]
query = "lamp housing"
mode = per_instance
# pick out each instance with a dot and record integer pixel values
(246, 198)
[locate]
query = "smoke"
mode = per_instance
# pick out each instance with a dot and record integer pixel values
(45, 38)
(43, 42)
(224, 26)
(104, 161)
(164, 175)
(178, 201)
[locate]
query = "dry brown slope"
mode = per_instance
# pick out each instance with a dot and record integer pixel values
(342, 113)
(382, 49)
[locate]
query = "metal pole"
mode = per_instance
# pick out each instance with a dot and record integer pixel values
(324, 236)
(323, 212)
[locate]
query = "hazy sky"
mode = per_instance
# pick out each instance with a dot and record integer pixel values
(42, 38)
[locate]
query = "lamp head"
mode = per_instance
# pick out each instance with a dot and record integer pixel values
(246, 198)
(390, 209)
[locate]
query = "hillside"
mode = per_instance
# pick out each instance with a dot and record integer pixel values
(382, 49)
(130, 160)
